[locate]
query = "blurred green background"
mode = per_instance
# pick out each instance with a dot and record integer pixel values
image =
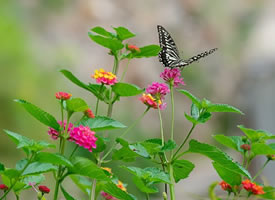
(40, 37)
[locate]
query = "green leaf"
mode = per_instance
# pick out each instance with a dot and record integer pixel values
(169, 145)
(182, 169)
(233, 142)
(2, 167)
(100, 123)
(194, 99)
(37, 179)
(218, 156)
(145, 52)
(53, 158)
(39, 168)
(269, 193)
(262, 149)
(113, 190)
(211, 191)
(101, 31)
(223, 108)
(143, 187)
(82, 182)
(191, 119)
(41, 145)
(123, 33)
(11, 173)
(227, 175)
(204, 117)
(195, 112)
(100, 145)
(66, 194)
(98, 90)
(126, 89)
(76, 105)
(125, 154)
(86, 167)
(255, 135)
(21, 164)
(152, 147)
(110, 43)
(39, 114)
(20, 140)
(139, 149)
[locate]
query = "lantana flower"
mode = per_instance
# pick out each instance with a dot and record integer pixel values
(172, 76)
(252, 187)
(83, 136)
(107, 196)
(89, 113)
(103, 77)
(245, 147)
(271, 157)
(132, 48)
(44, 189)
(63, 95)
(225, 186)
(55, 134)
(3, 187)
(121, 186)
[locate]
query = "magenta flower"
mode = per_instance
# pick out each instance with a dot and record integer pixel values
(107, 196)
(158, 90)
(83, 136)
(55, 134)
(172, 75)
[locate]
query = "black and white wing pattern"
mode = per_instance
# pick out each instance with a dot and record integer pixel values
(169, 54)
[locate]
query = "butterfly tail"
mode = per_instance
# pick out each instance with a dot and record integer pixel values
(199, 56)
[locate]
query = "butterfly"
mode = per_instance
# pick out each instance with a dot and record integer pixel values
(169, 54)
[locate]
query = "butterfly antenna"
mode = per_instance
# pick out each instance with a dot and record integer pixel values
(201, 55)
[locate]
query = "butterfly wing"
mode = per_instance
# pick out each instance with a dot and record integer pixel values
(169, 53)
(199, 56)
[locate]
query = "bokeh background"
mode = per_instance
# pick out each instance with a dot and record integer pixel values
(40, 37)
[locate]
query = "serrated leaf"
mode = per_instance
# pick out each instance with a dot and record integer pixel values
(204, 117)
(194, 99)
(139, 149)
(123, 33)
(169, 145)
(262, 149)
(113, 190)
(143, 187)
(223, 108)
(145, 52)
(39, 114)
(227, 175)
(11, 173)
(101, 31)
(110, 43)
(255, 135)
(125, 154)
(66, 194)
(126, 89)
(233, 142)
(86, 167)
(218, 156)
(100, 123)
(53, 158)
(182, 169)
(191, 119)
(21, 164)
(76, 105)
(100, 144)
(39, 168)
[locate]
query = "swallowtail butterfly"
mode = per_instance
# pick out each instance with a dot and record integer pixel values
(169, 54)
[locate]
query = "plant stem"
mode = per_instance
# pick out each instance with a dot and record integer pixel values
(125, 70)
(97, 100)
(161, 127)
(172, 185)
(147, 196)
(21, 172)
(76, 147)
(185, 140)
(173, 112)
(261, 170)
(125, 132)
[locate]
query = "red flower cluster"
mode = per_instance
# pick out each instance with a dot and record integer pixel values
(132, 48)
(63, 95)
(44, 189)
(225, 186)
(252, 187)
(3, 187)
(246, 147)
(89, 113)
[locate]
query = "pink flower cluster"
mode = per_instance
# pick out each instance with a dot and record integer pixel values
(158, 90)
(172, 76)
(55, 134)
(63, 95)
(103, 77)
(83, 136)
(107, 196)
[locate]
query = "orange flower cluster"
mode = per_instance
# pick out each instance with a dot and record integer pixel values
(252, 187)
(225, 186)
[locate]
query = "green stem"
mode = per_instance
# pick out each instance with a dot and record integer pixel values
(76, 147)
(172, 185)
(125, 70)
(17, 197)
(125, 132)
(185, 140)
(173, 112)
(18, 177)
(161, 127)
(93, 188)
(97, 101)
(261, 170)
(147, 196)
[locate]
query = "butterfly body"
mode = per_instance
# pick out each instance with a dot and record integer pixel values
(169, 54)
